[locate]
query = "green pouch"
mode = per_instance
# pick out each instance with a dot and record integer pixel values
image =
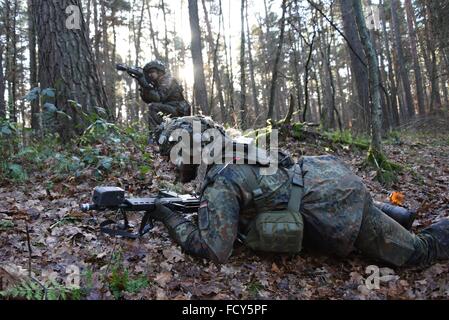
(276, 231)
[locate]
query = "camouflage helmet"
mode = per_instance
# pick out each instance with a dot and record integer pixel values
(164, 133)
(155, 64)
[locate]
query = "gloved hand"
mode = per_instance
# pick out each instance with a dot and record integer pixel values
(143, 82)
(161, 213)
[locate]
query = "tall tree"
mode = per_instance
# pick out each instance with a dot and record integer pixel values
(395, 7)
(66, 63)
(153, 33)
(391, 75)
(35, 107)
(166, 42)
(435, 98)
(214, 47)
(358, 68)
(243, 113)
(414, 50)
(374, 79)
(11, 10)
(2, 85)
(251, 69)
(275, 73)
(197, 57)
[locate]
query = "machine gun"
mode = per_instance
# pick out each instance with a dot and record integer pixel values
(136, 72)
(113, 198)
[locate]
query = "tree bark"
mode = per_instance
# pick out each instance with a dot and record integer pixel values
(374, 80)
(277, 62)
(66, 63)
(197, 57)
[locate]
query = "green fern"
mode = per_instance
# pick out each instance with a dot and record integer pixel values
(31, 290)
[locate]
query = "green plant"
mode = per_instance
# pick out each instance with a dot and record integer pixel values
(6, 224)
(387, 171)
(254, 287)
(347, 138)
(119, 280)
(32, 290)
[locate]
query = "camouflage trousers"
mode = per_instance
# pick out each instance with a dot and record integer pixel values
(384, 239)
(174, 109)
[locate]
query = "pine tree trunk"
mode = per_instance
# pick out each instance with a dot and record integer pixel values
(12, 59)
(152, 33)
(358, 69)
(97, 36)
(166, 42)
(243, 113)
(229, 73)
(214, 53)
(35, 108)
(393, 86)
(315, 115)
(67, 64)
(327, 116)
(251, 70)
(2, 86)
(435, 97)
(113, 80)
(306, 79)
(197, 57)
(395, 7)
(414, 52)
(374, 81)
(275, 73)
(88, 17)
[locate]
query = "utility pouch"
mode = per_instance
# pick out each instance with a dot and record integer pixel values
(280, 231)
(276, 231)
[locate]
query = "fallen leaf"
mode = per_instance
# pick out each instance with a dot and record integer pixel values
(163, 278)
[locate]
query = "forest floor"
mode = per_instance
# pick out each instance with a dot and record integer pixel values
(62, 239)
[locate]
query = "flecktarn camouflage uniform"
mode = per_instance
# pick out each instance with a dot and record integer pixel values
(337, 209)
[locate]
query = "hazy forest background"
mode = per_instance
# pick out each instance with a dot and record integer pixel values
(346, 77)
(253, 60)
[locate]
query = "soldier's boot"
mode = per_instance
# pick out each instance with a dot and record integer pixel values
(433, 244)
(401, 215)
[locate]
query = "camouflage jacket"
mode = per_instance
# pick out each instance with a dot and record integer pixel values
(166, 90)
(332, 207)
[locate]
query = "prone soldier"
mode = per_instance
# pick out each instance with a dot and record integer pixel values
(316, 202)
